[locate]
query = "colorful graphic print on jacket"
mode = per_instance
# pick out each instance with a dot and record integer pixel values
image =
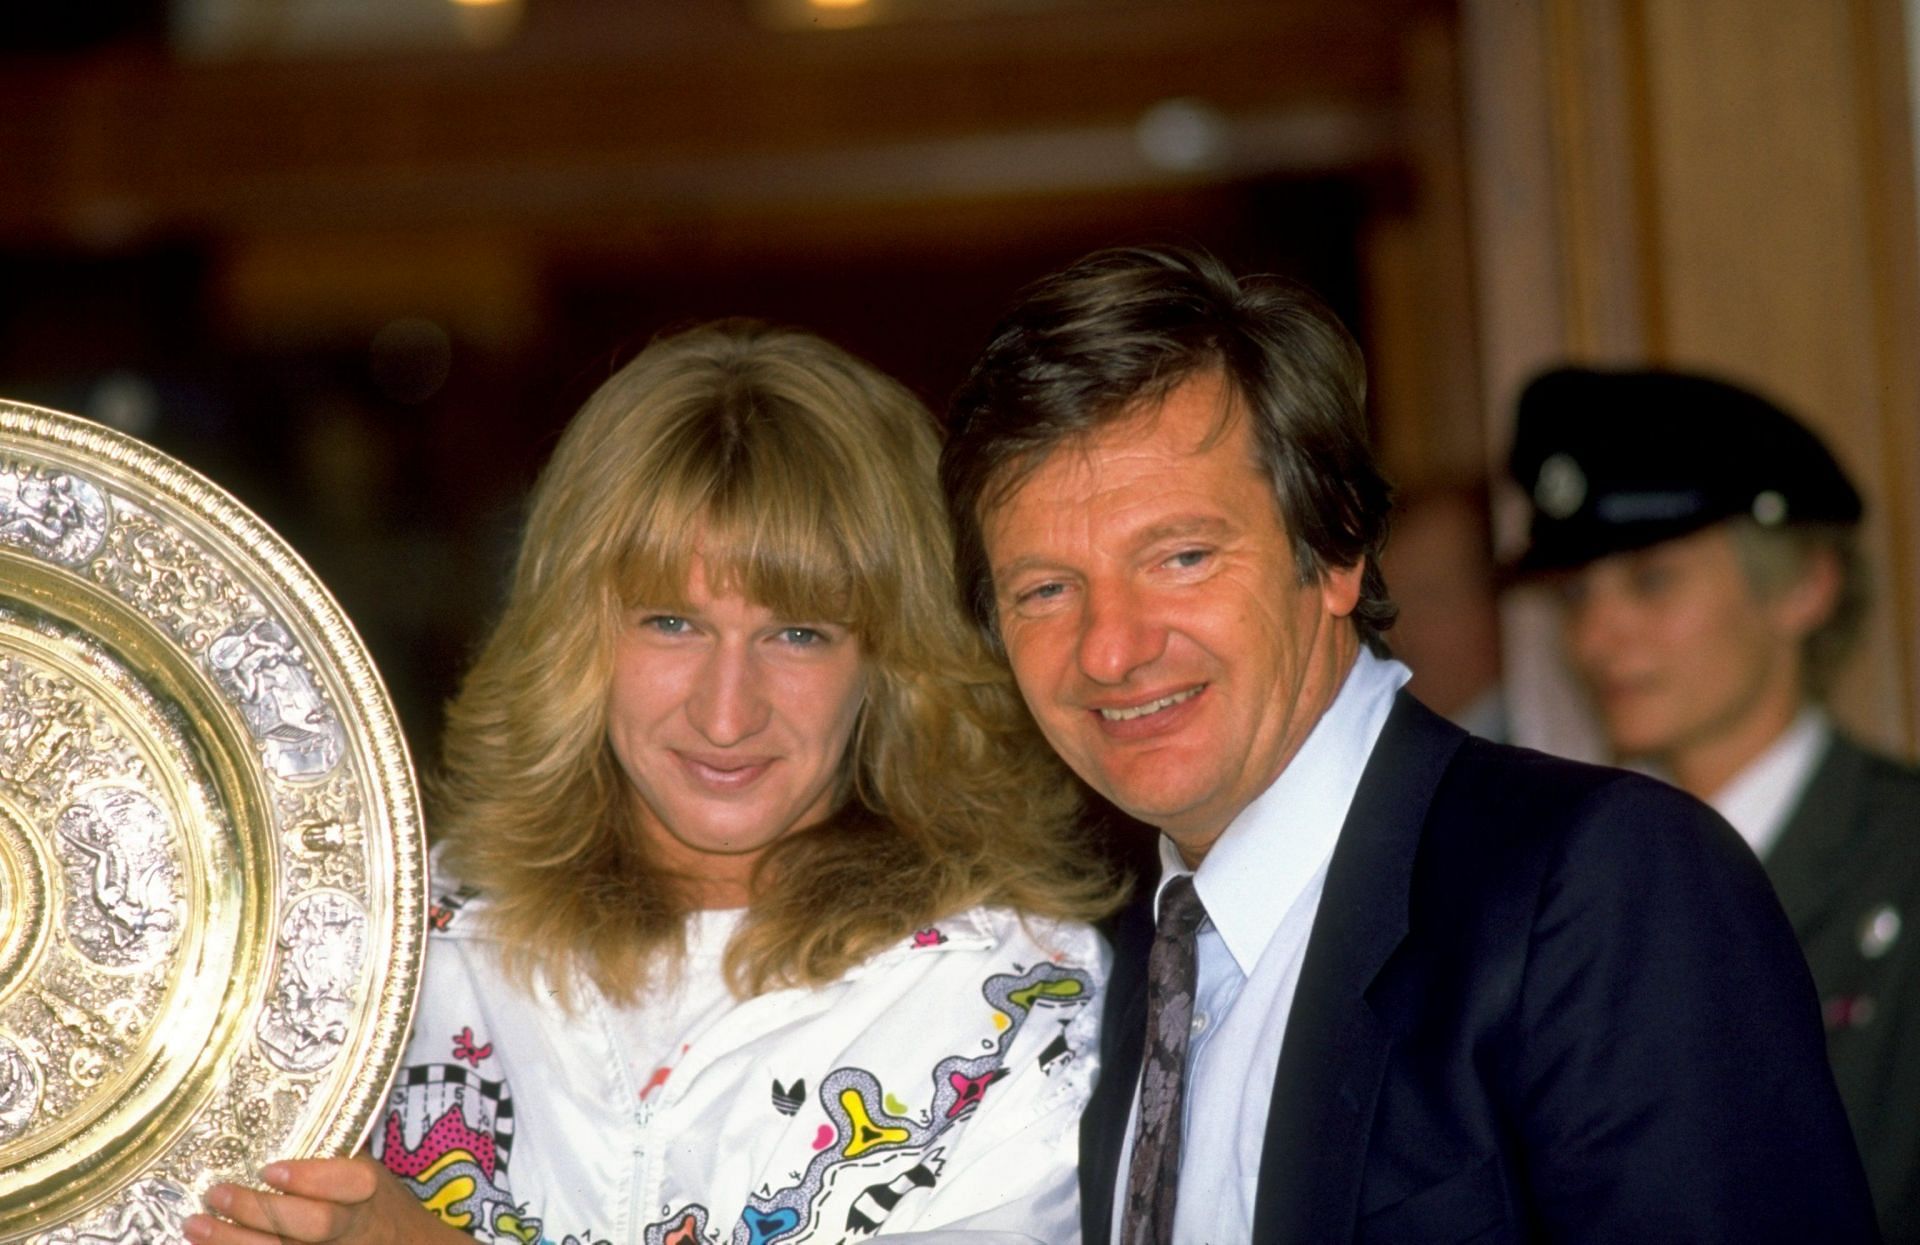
(875, 1145)
(873, 1153)
(458, 1168)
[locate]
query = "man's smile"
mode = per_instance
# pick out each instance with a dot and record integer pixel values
(1129, 713)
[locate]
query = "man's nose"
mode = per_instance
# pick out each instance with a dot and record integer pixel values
(1118, 635)
(729, 702)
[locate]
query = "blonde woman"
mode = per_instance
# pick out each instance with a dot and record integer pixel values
(761, 911)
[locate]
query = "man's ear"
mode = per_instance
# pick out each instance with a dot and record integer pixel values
(1340, 587)
(1803, 606)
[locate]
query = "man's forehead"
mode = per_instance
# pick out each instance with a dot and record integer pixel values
(1204, 409)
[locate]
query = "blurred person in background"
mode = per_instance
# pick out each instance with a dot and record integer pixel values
(759, 899)
(1439, 559)
(1704, 545)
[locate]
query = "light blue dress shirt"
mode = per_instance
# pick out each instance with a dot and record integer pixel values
(1261, 884)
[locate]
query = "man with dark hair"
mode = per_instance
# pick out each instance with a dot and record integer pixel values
(1703, 542)
(1396, 983)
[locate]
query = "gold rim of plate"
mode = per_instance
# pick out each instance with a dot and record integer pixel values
(212, 865)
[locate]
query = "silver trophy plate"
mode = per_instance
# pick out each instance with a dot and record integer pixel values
(212, 870)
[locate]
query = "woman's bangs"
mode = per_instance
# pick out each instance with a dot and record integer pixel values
(779, 551)
(656, 558)
(783, 551)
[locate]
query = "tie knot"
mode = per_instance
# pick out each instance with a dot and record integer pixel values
(1180, 908)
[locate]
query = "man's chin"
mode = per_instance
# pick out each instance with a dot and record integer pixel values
(1165, 806)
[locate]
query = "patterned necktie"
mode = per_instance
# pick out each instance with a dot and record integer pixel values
(1154, 1177)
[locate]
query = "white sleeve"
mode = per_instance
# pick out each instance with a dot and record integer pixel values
(1012, 1174)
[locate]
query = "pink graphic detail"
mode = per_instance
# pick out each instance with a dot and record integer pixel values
(463, 1047)
(930, 937)
(655, 1081)
(823, 1138)
(448, 1134)
(971, 1090)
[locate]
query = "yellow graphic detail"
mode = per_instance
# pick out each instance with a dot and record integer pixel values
(1063, 988)
(456, 1190)
(510, 1224)
(866, 1134)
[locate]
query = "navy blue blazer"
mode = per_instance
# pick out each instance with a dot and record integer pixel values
(1541, 1001)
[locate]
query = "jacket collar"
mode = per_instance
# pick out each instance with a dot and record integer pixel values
(1335, 1050)
(1814, 865)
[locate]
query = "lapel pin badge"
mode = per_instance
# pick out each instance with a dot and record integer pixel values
(1879, 930)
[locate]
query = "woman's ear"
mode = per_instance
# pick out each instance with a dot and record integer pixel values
(1802, 607)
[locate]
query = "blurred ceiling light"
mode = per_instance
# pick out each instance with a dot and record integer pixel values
(1183, 136)
(836, 14)
(127, 401)
(231, 28)
(840, 14)
(487, 23)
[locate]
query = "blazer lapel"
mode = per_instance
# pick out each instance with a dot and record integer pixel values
(1335, 1049)
(1811, 865)
(1123, 1037)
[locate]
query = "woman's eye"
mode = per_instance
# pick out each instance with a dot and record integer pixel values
(664, 624)
(1573, 591)
(802, 636)
(1652, 581)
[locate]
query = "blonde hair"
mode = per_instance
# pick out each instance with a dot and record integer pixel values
(1774, 559)
(810, 479)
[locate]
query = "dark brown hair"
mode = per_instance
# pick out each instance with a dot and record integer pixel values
(1117, 332)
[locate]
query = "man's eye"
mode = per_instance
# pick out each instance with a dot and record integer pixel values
(1040, 592)
(802, 636)
(1188, 558)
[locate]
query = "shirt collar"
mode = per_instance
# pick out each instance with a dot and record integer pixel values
(1759, 799)
(1268, 854)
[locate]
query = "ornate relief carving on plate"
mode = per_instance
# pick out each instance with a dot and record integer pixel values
(260, 667)
(124, 906)
(323, 942)
(61, 517)
(211, 867)
(147, 1211)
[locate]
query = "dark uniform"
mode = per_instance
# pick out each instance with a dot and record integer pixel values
(1847, 869)
(1619, 461)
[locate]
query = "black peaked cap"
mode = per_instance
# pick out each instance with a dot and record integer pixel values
(1621, 460)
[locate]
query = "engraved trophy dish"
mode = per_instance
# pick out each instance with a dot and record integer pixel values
(211, 861)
